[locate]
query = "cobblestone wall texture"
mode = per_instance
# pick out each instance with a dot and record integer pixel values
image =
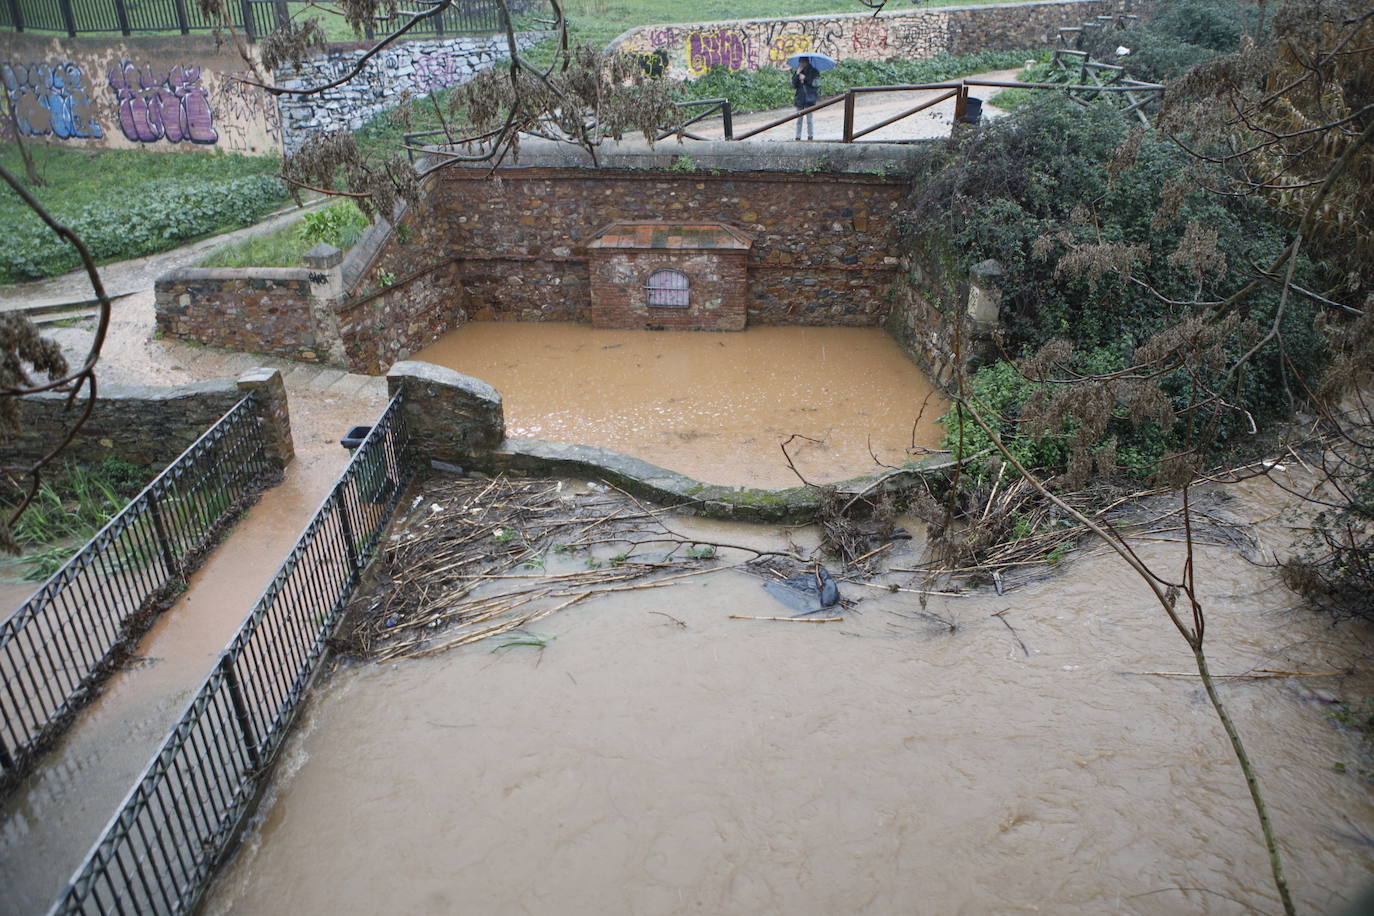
(755, 44)
(823, 254)
(403, 289)
(417, 67)
(144, 425)
(264, 310)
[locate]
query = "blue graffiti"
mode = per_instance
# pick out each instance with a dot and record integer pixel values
(50, 100)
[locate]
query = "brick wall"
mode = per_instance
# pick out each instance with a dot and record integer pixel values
(823, 250)
(717, 300)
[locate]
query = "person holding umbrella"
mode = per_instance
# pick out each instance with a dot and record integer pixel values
(806, 82)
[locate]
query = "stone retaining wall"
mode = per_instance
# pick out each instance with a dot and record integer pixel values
(755, 44)
(255, 310)
(145, 425)
(415, 67)
(824, 251)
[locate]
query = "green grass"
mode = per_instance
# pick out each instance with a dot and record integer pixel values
(286, 246)
(128, 203)
(763, 90)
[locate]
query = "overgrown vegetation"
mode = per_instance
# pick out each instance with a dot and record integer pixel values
(71, 505)
(129, 203)
(1118, 252)
(340, 224)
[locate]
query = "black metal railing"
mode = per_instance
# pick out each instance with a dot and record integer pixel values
(63, 641)
(255, 17)
(463, 17)
(159, 850)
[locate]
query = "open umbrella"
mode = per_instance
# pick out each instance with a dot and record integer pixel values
(819, 61)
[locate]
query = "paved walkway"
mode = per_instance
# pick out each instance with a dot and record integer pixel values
(869, 109)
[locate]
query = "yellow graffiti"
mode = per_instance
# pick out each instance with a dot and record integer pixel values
(784, 46)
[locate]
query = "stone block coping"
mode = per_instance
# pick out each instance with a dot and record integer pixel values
(669, 488)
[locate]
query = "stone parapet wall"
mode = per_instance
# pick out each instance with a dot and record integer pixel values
(450, 416)
(416, 67)
(256, 310)
(928, 300)
(756, 44)
(144, 425)
(402, 288)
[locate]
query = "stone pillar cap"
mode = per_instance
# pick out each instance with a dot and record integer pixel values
(988, 268)
(323, 256)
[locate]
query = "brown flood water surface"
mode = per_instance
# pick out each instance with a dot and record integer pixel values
(714, 406)
(891, 763)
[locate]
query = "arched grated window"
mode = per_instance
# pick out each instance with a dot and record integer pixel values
(668, 289)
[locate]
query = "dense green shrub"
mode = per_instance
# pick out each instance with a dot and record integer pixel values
(1178, 36)
(1034, 186)
(164, 213)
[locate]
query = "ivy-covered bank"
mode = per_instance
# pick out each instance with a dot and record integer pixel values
(128, 203)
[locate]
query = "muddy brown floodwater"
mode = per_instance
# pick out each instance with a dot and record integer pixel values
(712, 406)
(905, 760)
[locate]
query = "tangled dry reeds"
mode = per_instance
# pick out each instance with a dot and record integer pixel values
(474, 559)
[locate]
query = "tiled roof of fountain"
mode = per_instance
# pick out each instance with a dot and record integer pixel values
(664, 235)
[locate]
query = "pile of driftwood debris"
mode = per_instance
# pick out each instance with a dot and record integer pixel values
(478, 558)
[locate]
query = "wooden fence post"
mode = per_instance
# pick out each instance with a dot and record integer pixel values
(849, 99)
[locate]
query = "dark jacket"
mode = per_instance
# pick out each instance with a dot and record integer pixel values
(807, 83)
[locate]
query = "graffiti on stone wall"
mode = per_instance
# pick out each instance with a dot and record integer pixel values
(441, 70)
(654, 63)
(50, 100)
(728, 48)
(757, 45)
(241, 108)
(869, 36)
(156, 105)
(784, 46)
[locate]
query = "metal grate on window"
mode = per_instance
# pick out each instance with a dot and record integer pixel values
(668, 289)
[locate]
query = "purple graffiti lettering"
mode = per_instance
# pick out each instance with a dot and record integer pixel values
(171, 105)
(439, 71)
(726, 48)
(49, 100)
